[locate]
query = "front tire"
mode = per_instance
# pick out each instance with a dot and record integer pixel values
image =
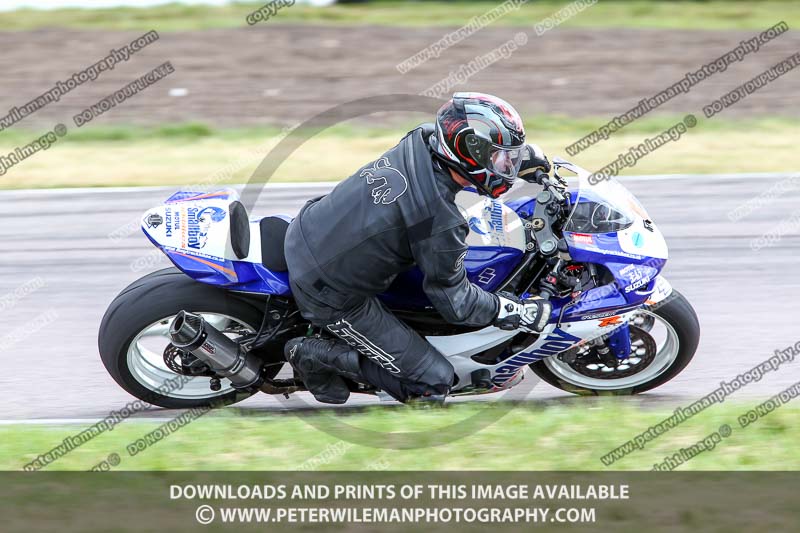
(683, 335)
(133, 335)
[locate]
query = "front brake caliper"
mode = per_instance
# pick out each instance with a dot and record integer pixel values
(619, 341)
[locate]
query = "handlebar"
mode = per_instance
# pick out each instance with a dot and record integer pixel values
(539, 176)
(542, 178)
(546, 293)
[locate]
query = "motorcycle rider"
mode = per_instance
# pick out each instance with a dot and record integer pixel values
(396, 212)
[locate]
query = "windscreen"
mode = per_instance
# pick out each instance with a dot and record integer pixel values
(601, 206)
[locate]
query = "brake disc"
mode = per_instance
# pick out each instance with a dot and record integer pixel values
(184, 363)
(643, 351)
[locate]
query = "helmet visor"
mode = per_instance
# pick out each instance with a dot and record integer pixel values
(501, 160)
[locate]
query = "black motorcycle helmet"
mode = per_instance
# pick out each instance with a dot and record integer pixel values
(481, 137)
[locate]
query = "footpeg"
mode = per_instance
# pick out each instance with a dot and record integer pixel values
(281, 386)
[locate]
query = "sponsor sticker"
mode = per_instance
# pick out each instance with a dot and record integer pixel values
(153, 220)
(610, 321)
(199, 221)
(637, 284)
(583, 238)
(596, 316)
(486, 276)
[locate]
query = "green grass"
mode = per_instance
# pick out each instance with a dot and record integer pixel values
(569, 435)
(188, 154)
(536, 125)
(711, 14)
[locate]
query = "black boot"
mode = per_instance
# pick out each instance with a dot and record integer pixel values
(426, 396)
(321, 364)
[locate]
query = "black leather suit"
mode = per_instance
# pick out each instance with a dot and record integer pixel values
(348, 246)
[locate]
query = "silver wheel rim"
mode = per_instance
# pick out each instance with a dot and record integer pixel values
(667, 347)
(145, 359)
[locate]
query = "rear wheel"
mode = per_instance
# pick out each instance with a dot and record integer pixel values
(134, 334)
(663, 341)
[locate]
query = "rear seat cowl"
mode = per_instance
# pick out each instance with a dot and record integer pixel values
(273, 235)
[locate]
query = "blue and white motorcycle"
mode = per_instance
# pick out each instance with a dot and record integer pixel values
(222, 317)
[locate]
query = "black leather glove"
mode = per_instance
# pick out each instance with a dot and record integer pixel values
(532, 160)
(531, 314)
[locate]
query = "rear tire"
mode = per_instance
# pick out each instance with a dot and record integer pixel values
(678, 313)
(155, 298)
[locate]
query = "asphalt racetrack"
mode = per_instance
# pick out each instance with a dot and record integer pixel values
(74, 250)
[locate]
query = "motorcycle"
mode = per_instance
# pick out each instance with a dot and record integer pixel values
(219, 320)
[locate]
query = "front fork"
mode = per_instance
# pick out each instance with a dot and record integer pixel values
(619, 342)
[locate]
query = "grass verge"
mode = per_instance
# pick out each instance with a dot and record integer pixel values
(568, 435)
(702, 15)
(191, 154)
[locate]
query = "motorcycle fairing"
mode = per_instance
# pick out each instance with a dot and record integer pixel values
(492, 224)
(487, 267)
(201, 246)
(496, 240)
(194, 230)
(508, 372)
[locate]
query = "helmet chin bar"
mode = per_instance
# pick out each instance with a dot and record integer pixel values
(464, 174)
(482, 189)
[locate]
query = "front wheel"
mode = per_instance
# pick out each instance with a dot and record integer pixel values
(135, 332)
(663, 341)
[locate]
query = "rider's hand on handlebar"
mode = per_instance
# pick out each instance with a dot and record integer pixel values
(531, 314)
(532, 160)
